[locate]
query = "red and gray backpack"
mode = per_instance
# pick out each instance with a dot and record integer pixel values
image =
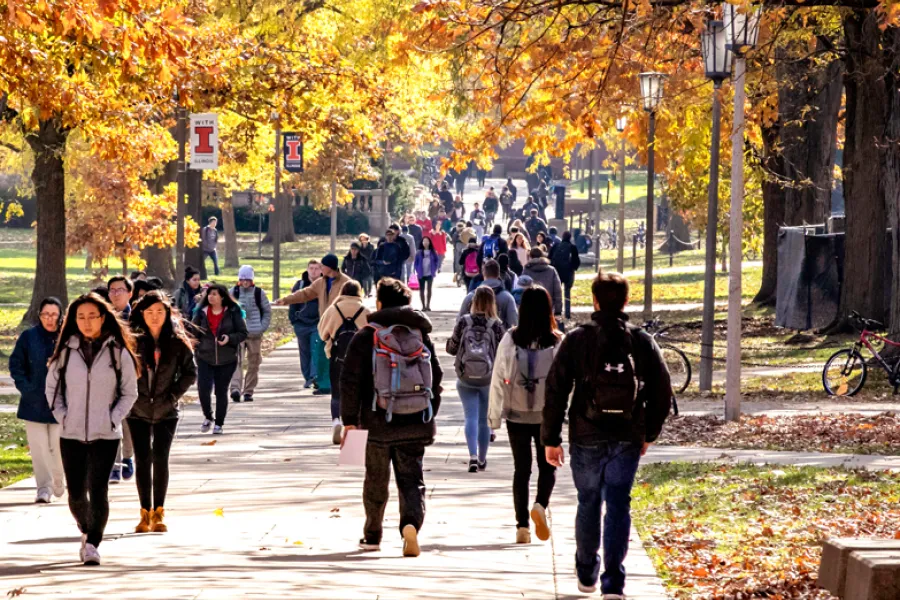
(401, 367)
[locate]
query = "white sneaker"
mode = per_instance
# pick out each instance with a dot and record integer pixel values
(43, 496)
(81, 550)
(218, 430)
(206, 425)
(336, 430)
(587, 589)
(91, 555)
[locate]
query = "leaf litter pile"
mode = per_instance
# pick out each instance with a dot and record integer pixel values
(738, 532)
(837, 432)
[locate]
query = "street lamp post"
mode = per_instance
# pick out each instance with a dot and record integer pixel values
(742, 31)
(180, 208)
(717, 59)
(621, 123)
(277, 230)
(651, 96)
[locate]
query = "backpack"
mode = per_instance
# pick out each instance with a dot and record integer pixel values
(401, 372)
(344, 334)
(491, 246)
(610, 392)
(562, 257)
(471, 265)
(257, 295)
(477, 350)
(530, 380)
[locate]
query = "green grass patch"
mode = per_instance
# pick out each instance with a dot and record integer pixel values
(15, 462)
(745, 531)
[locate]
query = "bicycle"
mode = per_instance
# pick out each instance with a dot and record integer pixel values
(846, 370)
(676, 361)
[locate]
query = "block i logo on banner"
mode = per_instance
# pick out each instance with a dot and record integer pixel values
(292, 150)
(204, 141)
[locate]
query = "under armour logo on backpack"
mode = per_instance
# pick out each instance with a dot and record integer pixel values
(618, 369)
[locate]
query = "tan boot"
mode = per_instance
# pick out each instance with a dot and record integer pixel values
(156, 520)
(144, 525)
(523, 536)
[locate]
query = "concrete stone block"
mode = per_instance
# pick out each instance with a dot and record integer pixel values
(873, 575)
(836, 553)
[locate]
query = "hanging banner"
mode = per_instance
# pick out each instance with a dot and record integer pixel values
(292, 149)
(204, 141)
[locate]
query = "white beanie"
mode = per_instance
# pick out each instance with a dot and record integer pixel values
(246, 272)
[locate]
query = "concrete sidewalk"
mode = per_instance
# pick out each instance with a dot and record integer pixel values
(265, 512)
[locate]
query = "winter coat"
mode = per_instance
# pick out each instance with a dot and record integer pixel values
(540, 270)
(467, 233)
(577, 357)
(566, 268)
(28, 368)
(208, 349)
(358, 389)
(183, 300)
(438, 242)
(163, 383)
(388, 261)
(506, 367)
(92, 402)
(367, 251)
(318, 289)
(257, 322)
(209, 239)
(332, 320)
(420, 270)
(535, 226)
(357, 268)
(416, 231)
(506, 305)
(478, 217)
(304, 313)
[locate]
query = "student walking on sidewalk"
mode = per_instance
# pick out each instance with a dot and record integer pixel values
(167, 372)
(221, 329)
(258, 315)
(91, 386)
(518, 386)
(28, 368)
(400, 421)
(426, 265)
(338, 326)
(622, 397)
(121, 291)
(474, 343)
(304, 317)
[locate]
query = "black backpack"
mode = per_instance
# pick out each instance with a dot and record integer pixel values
(610, 389)
(562, 257)
(257, 295)
(344, 335)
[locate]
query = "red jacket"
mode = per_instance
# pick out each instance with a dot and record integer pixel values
(438, 241)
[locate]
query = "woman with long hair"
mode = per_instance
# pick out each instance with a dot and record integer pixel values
(517, 395)
(520, 246)
(221, 329)
(91, 386)
(167, 372)
(28, 368)
(185, 297)
(426, 266)
(474, 344)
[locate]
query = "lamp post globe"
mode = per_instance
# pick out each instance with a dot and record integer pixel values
(651, 90)
(741, 27)
(717, 54)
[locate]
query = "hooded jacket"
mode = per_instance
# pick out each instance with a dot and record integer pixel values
(358, 388)
(318, 289)
(92, 403)
(577, 358)
(356, 268)
(28, 368)
(163, 383)
(542, 273)
(506, 304)
(233, 325)
(304, 313)
(183, 300)
(332, 320)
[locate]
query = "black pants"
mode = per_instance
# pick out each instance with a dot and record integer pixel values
(520, 438)
(218, 377)
(567, 300)
(407, 462)
(425, 282)
(87, 467)
(152, 442)
(334, 373)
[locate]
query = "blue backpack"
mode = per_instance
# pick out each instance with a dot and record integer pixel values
(491, 246)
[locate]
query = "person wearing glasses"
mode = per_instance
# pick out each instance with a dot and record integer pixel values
(120, 291)
(28, 368)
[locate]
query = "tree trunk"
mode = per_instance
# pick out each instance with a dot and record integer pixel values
(193, 256)
(681, 235)
(773, 215)
(159, 260)
(891, 165)
(231, 249)
(49, 178)
(862, 289)
(283, 219)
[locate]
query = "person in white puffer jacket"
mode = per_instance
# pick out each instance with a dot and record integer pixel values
(91, 386)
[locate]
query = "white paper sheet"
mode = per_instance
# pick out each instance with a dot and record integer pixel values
(353, 454)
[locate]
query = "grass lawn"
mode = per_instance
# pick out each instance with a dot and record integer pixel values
(743, 531)
(15, 462)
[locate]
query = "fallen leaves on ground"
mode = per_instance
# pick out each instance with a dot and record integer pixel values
(219, 512)
(844, 433)
(209, 443)
(739, 532)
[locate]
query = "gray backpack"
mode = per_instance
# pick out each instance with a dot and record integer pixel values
(402, 375)
(477, 350)
(530, 380)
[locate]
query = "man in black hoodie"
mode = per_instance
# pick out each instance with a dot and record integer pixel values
(610, 428)
(400, 442)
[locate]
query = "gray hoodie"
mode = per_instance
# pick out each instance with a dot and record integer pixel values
(506, 304)
(87, 412)
(542, 273)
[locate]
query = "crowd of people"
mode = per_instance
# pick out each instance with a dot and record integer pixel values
(102, 380)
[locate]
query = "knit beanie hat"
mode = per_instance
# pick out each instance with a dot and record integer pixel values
(246, 272)
(330, 261)
(525, 281)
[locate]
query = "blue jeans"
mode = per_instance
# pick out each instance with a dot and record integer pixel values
(215, 259)
(603, 473)
(304, 335)
(475, 407)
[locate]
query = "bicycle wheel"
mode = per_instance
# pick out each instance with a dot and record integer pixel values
(679, 367)
(844, 373)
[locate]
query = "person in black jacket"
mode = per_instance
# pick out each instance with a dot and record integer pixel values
(368, 252)
(606, 447)
(400, 442)
(167, 372)
(304, 317)
(221, 329)
(28, 368)
(565, 260)
(355, 265)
